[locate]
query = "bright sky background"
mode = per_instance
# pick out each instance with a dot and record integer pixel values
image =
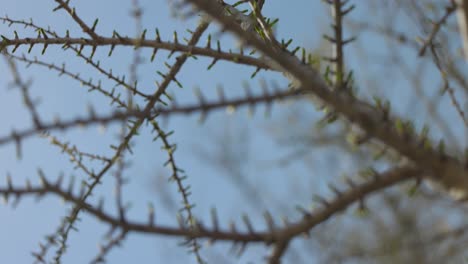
(24, 227)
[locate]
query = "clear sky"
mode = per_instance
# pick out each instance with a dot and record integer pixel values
(22, 228)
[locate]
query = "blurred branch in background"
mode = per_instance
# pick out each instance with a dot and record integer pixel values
(365, 135)
(462, 16)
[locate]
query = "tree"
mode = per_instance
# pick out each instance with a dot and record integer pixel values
(389, 107)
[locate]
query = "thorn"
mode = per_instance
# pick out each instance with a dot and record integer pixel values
(214, 219)
(335, 190)
(247, 223)
(269, 220)
(321, 200)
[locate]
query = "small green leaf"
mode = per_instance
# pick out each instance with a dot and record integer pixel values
(400, 127)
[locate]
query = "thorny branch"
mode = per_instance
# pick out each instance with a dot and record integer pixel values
(359, 191)
(423, 158)
(203, 107)
(448, 170)
(112, 42)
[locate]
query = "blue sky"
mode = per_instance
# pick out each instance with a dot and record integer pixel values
(65, 98)
(25, 226)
